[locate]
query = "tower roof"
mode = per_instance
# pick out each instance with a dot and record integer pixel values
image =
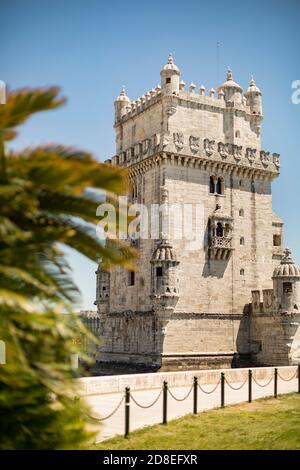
(122, 96)
(164, 252)
(230, 83)
(170, 65)
(287, 267)
(252, 88)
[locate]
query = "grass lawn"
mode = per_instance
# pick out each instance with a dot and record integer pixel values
(264, 424)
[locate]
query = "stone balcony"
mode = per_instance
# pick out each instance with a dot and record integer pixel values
(221, 247)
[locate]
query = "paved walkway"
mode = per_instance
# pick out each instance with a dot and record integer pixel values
(102, 405)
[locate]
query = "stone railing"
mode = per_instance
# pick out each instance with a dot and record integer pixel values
(221, 242)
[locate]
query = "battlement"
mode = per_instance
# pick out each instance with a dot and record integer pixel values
(267, 305)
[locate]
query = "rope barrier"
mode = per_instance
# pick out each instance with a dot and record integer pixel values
(181, 399)
(110, 415)
(211, 391)
(288, 380)
(265, 385)
(146, 406)
(236, 388)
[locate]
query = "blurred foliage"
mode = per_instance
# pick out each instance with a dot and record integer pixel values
(44, 206)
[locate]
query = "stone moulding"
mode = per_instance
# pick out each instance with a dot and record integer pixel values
(213, 163)
(229, 153)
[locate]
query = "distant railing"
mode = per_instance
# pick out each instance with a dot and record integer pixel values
(194, 389)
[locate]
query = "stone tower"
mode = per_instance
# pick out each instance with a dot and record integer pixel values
(183, 307)
(275, 322)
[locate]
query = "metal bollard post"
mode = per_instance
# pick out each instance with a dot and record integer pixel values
(222, 389)
(165, 403)
(275, 382)
(298, 378)
(249, 385)
(195, 407)
(127, 411)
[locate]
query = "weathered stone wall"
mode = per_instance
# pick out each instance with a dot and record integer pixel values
(203, 339)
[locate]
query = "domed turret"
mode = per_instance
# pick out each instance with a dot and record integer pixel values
(253, 97)
(232, 90)
(170, 75)
(165, 290)
(121, 102)
(286, 279)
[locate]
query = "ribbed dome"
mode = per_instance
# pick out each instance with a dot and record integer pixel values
(230, 83)
(122, 96)
(287, 267)
(164, 252)
(170, 65)
(252, 88)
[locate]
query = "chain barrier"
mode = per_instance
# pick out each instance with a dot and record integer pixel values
(211, 391)
(181, 399)
(236, 388)
(288, 380)
(110, 415)
(260, 385)
(146, 406)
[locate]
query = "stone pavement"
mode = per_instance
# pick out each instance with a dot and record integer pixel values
(102, 405)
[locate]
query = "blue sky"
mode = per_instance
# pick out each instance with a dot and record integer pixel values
(90, 48)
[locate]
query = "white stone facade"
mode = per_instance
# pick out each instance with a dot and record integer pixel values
(185, 146)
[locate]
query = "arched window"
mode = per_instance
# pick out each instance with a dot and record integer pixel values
(237, 134)
(212, 185)
(242, 272)
(219, 230)
(219, 187)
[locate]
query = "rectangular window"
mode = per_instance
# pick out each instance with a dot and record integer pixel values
(131, 278)
(276, 240)
(159, 271)
(168, 80)
(287, 287)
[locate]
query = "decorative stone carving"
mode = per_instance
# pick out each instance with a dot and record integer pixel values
(146, 145)
(250, 154)
(237, 152)
(165, 140)
(265, 157)
(194, 143)
(171, 110)
(178, 140)
(155, 140)
(223, 149)
(209, 146)
(276, 160)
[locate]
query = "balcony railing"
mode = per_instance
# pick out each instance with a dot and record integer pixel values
(221, 242)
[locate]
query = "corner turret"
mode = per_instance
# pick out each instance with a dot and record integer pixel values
(170, 75)
(254, 98)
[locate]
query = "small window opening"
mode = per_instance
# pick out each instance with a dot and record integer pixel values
(237, 134)
(242, 272)
(276, 240)
(219, 188)
(168, 80)
(131, 279)
(212, 185)
(242, 241)
(219, 230)
(241, 213)
(159, 271)
(287, 287)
